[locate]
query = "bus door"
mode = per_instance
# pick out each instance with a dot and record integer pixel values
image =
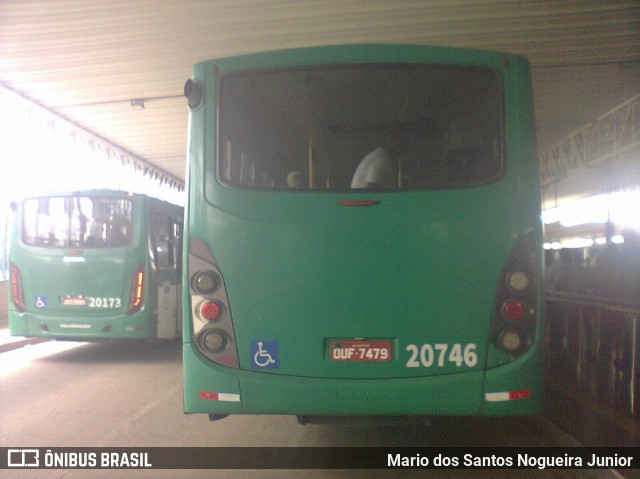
(166, 239)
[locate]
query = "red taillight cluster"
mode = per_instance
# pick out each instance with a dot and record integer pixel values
(513, 309)
(514, 323)
(209, 310)
(17, 291)
(210, 314)
(136, 290)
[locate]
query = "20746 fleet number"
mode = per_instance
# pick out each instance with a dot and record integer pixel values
(438, 355)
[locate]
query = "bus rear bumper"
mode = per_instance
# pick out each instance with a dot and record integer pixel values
(212, 389)
(79, 328)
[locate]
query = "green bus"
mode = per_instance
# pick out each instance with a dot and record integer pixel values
(363, 235)
(96, 264)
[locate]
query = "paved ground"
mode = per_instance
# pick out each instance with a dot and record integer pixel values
(130, 394)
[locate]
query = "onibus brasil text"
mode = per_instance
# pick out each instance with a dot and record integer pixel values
(94, 459)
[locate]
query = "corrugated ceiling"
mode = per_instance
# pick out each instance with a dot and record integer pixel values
(87, 60)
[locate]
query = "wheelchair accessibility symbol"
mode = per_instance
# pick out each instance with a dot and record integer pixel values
(265, 355)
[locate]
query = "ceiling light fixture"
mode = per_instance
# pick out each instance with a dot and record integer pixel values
(137, 104)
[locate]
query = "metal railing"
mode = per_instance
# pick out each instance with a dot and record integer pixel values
(592, 342)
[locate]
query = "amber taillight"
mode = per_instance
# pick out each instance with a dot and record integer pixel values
(17, 290)
(136, 292)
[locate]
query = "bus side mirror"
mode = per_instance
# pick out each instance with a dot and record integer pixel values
(194, 93)
(14, 206)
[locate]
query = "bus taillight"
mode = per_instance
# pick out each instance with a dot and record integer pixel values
(17, 290)
(215, 341)
(205, 282)
(211, 320)
(136, 291)
(209, 310)
(510, 340)
(513, 309)
(514, 322)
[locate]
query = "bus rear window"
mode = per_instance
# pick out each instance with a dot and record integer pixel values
(390, 127)
(77, 221)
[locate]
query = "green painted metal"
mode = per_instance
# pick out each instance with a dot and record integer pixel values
(418, 268)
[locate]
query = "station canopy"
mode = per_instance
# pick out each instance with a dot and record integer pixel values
(115, 70)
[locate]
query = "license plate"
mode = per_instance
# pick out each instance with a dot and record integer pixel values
(73, 301)
(360, 351)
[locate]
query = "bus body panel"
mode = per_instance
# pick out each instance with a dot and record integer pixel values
(417, 269)
(76, 299)
(84, 328)
(431, 280)
(524, 374)
(216, 389)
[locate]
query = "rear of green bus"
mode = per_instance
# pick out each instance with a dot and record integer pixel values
(78, 268)
(363, 235)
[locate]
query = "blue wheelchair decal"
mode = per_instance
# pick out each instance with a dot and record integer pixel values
(265, 354)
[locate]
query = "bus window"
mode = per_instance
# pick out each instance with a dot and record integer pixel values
(177, 244)
(309, 129)
(162, 230)
(77, 221)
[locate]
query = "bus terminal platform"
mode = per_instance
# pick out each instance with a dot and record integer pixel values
(9, 343)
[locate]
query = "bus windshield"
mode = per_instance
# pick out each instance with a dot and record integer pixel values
(77, 221)
(392, 127)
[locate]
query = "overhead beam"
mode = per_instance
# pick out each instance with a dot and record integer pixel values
(610, 136)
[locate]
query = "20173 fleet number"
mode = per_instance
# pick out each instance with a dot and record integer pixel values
(438, 355)
(109, 303)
